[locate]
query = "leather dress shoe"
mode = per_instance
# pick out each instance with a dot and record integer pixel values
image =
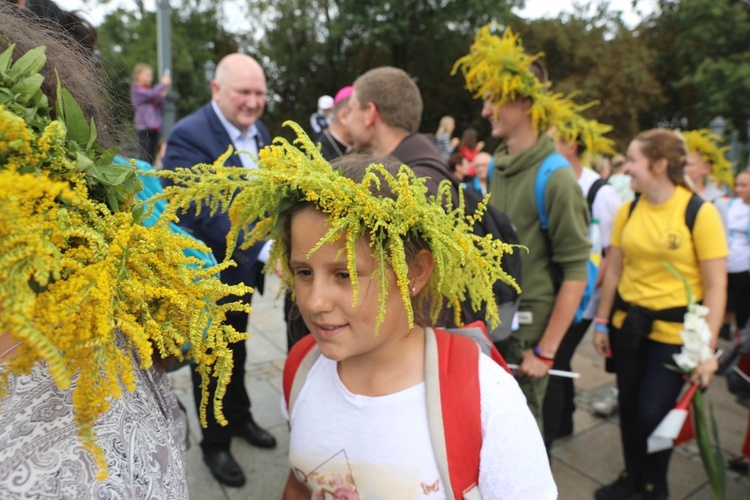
(739, 464)
(255, 435)
(224, 468)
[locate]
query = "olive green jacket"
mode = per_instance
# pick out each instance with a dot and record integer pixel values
(565, 248)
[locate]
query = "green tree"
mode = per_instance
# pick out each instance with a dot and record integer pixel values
(592, 53)
(314, 47)
(703, 61)
(128, 37)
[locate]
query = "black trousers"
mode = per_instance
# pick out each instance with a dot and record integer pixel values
(558, 401)
(147, 141)
(738, 297)
(236, 402)
(648, 390)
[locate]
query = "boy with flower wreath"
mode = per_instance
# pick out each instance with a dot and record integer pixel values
(520, 107)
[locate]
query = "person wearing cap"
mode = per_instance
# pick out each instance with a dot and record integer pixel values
(336, 140)
(320, 120)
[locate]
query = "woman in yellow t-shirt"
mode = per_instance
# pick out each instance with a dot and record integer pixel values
(642, 305)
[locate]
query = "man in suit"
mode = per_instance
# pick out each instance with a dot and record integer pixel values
(231, 118)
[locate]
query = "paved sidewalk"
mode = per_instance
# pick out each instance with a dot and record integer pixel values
(581, 463)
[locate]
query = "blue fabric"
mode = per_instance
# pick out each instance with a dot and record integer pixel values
(549, 166)
(152, 186)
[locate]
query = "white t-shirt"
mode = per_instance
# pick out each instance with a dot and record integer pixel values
(606, 204)
(352, 446)
(738, 221)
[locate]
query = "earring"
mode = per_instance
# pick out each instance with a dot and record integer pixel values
(413, 289)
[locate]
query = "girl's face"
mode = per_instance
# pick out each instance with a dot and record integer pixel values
(742, 187)
(696, 168)
(637, 165)
(325, 294)
(145, 77)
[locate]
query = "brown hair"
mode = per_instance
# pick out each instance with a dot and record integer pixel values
(67, 59)
(469, 138)
(660, 143)
(354, 166)
(394, 94)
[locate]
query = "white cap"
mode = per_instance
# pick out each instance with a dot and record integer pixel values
(325, 102)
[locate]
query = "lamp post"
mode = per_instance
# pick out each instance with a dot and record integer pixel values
(209, 70)
(164, 54)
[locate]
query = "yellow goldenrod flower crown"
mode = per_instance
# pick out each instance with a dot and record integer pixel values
(87, 288)
(572, 126)
(466, 265)
(706, 143)
(498, 70)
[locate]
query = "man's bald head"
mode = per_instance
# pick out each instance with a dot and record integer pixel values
(239, 90)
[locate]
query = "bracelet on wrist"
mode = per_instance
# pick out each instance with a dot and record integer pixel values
(598, 327)
(544, 359)
(601, 321)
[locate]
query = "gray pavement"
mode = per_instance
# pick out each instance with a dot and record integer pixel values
(581, 463)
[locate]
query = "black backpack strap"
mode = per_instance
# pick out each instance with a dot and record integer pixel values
(691, 212)
(593, 191)
(632, 204)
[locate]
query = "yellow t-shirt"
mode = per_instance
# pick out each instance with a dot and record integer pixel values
(653, 235)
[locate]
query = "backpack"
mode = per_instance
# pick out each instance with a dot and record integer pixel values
(691, 211)
(498, 224)
(451, 386)
(550, 165)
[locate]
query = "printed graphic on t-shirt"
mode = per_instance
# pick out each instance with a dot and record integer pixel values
(334, 479)
(331, 480)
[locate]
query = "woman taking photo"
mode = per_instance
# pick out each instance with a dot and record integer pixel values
(642, 306)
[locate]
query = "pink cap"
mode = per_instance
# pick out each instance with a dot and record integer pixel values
(342, 94)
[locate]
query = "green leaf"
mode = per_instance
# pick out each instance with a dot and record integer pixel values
(5, 58)
(29, 63)
(83, 162)
(75, 120)
(92, 136)
(26, 88)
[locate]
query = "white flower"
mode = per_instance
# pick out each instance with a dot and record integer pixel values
(687, 361)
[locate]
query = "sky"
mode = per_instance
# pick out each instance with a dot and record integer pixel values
(534, 9)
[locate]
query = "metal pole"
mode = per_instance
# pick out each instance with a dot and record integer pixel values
(164, 54)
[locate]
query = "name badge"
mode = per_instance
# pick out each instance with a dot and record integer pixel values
(525, 317)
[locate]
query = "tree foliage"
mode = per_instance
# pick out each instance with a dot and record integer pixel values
(597, 57)
(702, 60)
(314, 47)
(128, 37)
(686, 63)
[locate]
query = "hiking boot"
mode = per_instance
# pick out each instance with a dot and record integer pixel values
(624, 487)
(607, 406)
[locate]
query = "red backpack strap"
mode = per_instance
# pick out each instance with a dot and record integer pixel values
(303, 354)
(454, 409)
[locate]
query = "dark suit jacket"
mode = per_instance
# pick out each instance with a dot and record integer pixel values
(201, 138)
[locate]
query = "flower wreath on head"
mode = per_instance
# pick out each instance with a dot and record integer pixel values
(498, 70)
(84, 287)
(257, 201)
(706, 143)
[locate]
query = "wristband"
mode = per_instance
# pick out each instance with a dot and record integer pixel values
(544, 359)
(601, 321)
(598, 327)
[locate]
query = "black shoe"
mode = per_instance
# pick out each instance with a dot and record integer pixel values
(255, 435)
(624, 487)
(739, 464)
(224, 468)
(651, 492)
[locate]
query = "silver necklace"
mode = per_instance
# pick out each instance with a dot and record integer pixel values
(8, 351)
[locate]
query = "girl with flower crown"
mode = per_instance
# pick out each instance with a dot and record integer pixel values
(372, 263)
(343, 424)
(642, 307)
